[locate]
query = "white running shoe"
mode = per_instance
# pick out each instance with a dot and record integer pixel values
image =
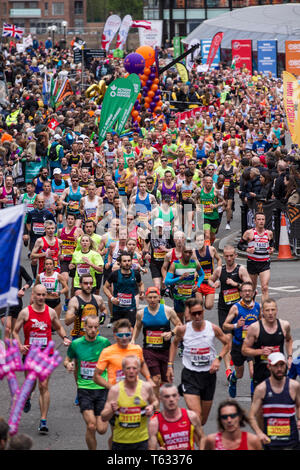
(227, 227)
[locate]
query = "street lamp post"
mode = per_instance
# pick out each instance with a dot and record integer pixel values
(64, 25)
(53, 29)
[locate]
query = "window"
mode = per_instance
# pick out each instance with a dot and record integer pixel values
(78, 8)
(58, 9)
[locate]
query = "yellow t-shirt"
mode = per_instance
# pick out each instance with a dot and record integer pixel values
(130, 425)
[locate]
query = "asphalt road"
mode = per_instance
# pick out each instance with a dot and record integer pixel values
(66, 427)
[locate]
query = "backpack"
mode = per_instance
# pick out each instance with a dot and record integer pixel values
(52, 152)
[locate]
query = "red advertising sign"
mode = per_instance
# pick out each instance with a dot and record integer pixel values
(242, 53)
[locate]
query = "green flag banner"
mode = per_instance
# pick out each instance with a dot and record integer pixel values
(135, 80)
(119, 97)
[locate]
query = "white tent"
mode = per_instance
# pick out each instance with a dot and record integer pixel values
(280, 22)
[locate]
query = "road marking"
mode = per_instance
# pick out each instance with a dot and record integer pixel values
(287, 289)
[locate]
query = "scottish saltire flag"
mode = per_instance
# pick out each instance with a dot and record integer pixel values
(10, 30)
(11, 233)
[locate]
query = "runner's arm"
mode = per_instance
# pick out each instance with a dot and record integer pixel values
(153, 430)
(198, 430)
(228, 325)
(137, 326)
(111, 404)
(71, 312)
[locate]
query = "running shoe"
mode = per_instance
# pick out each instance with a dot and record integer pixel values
(227, 227)
(109, 325)
(43, 428)
(27, 406)
(232, 385)
(228, 374)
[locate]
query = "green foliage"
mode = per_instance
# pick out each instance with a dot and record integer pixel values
(99, 10)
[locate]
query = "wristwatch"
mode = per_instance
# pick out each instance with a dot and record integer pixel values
(220, 358)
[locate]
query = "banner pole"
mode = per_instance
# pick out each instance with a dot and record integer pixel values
(178, 59)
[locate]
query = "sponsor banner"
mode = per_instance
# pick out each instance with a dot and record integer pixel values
(111, 27)
(151, 37)
(187, 114)
(292, 57)
(118, 97)
(136, 82)
(242, 53)
(123, 31)
(267, 57)
(177, 46)
(214, 50)
(291, 99)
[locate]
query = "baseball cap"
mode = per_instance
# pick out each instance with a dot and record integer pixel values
(276, 357)
(57, 137)
(159, 223)
(57, 171)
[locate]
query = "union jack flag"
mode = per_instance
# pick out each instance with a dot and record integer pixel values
(10, 30)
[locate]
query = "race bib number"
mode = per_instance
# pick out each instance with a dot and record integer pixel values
(119, 375)
(125, 300)
(185, 290)
(159, 255)
(39, 340)
(231, 296)
(227, 182)
(154, 337)
(274, 349)
(87, 369)
(38, 228)
(74, 205)
(83, 269)
(278, 428)
(200, 356)
(130, 417)
(245, 331)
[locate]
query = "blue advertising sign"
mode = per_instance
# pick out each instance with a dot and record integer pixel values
(205, 46)
(267, 57)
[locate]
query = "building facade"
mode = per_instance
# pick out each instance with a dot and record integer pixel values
(37, 16)
(181, 17)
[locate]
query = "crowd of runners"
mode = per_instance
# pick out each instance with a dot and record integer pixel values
(101, 218)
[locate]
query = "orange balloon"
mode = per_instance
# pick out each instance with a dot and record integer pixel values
(147, 71)
(159, 104)
(134, 113)
(156, 81)
(139, 96)
(144, 77)
(164, 126)
(154, 87)
(148, 53)
(151, 94)
(147, 105)
(148, 99)
(138, 119)
(157, 108)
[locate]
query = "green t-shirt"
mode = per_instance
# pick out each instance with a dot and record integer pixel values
(206, 199)
(84, 268)
(87, 354)
(166, 152)
(96, 239)
(161, 171)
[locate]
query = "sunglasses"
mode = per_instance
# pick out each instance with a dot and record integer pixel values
(230, 415)
(123, 335)
(198, 312)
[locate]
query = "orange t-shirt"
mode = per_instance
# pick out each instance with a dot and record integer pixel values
(111, 359)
